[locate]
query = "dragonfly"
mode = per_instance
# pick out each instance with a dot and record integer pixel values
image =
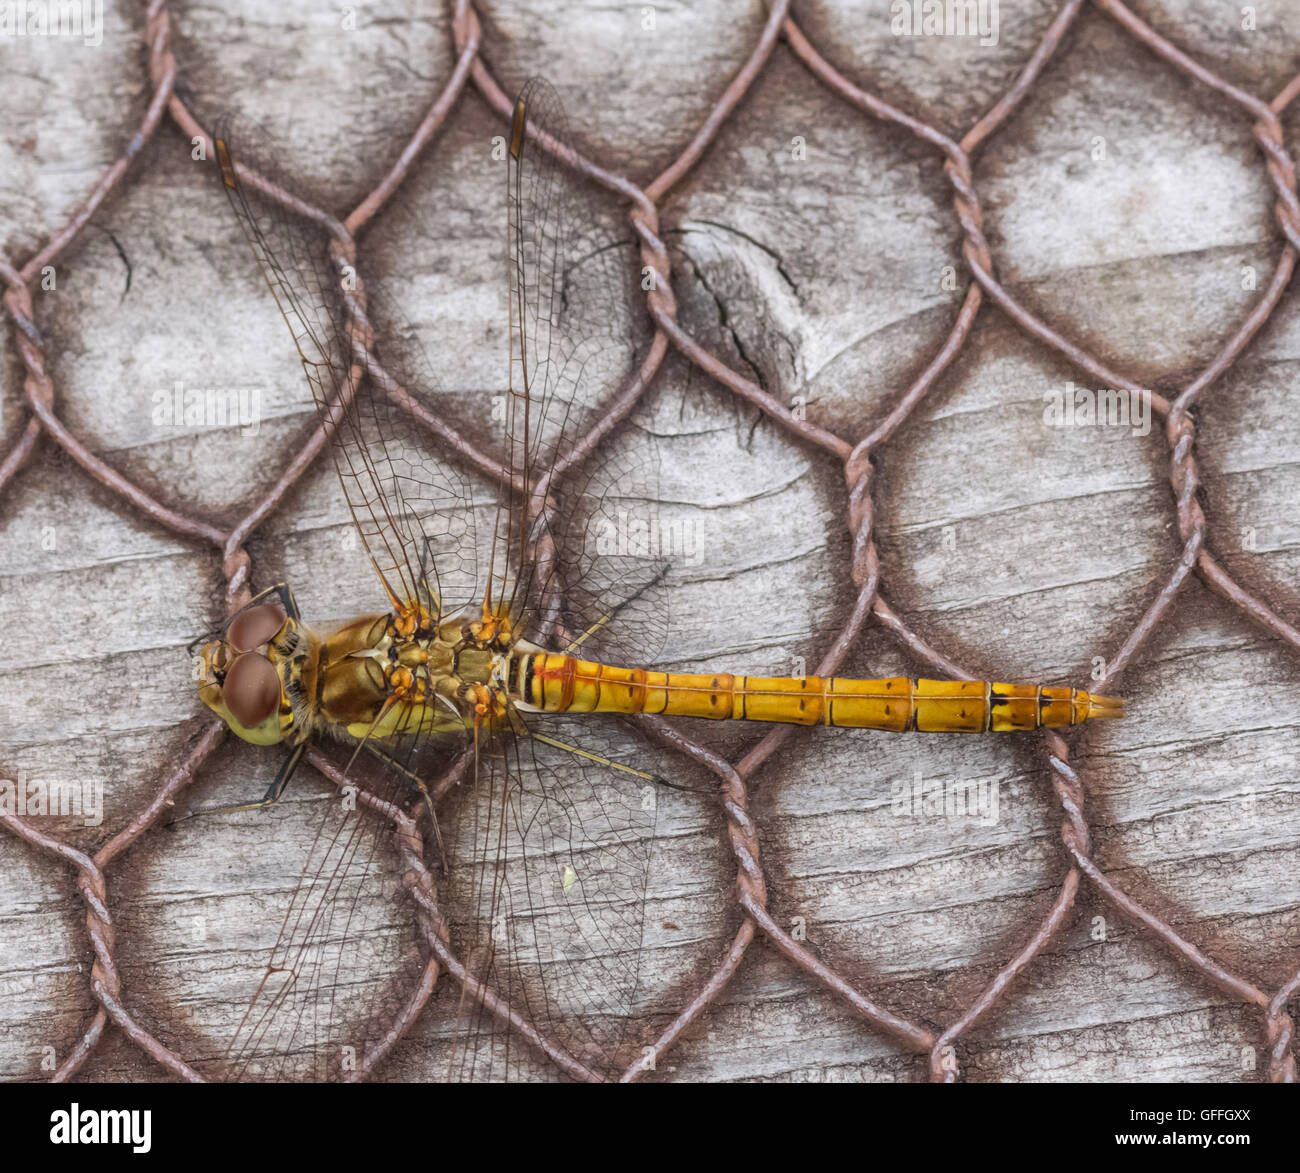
(500, 653)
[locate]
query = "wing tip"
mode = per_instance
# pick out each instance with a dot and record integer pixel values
(517, 128)
(225, 162)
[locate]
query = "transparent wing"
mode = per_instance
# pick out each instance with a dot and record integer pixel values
(557, 849)
(585, 541)
(552, 842)
(548, 846)
(326, 1000)
(412, 513)
(346, 959)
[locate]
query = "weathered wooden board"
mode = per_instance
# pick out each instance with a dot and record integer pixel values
(1128, 206)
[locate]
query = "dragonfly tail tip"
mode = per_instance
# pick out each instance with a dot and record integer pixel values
(1105, 706)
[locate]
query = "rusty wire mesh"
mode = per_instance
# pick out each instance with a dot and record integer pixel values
(114, 998)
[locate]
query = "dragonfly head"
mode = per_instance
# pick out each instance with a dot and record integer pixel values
(242, 676)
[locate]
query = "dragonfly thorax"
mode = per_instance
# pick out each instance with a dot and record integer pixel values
(376, 681)
(372, 678)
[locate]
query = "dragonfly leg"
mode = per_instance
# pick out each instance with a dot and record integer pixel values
(282, 592)
(427, 559)
(270, 798)
(601, 760)
(419, 783)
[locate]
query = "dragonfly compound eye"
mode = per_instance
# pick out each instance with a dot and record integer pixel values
(252, 690)
(254, 627)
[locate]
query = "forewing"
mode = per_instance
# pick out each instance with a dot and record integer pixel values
(411, 507)
(551, 842)
(579, 336)
(326, 1000)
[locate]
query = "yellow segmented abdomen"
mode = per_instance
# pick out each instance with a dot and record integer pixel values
(557, 683)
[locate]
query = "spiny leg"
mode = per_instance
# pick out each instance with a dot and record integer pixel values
(270, 798)
(427, 559)
(601, 760)
(419, 783)
(286, 597)
(287, 603)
